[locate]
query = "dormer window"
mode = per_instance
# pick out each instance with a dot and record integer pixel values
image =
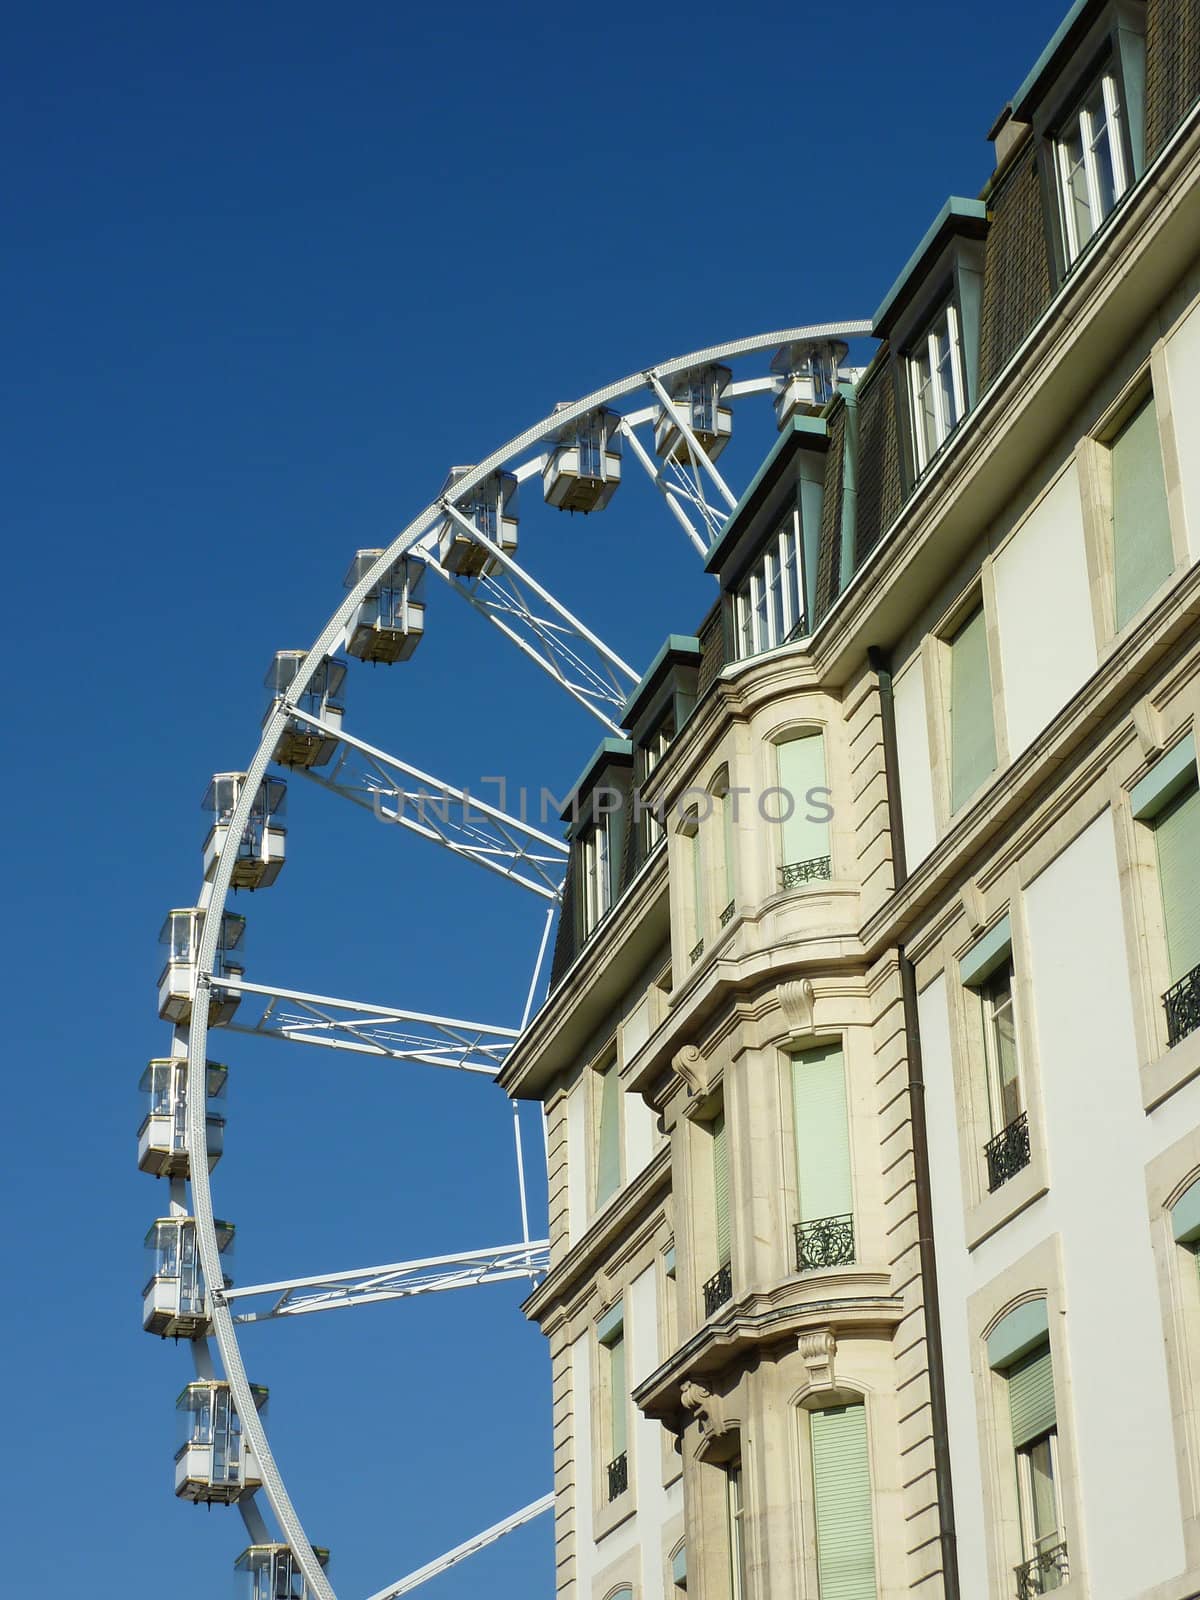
(596, 808)
(935, 371)
(596, 860)
(769, 603)
(1090, 164)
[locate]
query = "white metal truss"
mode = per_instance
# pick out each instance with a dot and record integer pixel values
(469, 1547)
(462, 822)
(371, 1030)
(541, 626)
(554, 642)
(364, 1285)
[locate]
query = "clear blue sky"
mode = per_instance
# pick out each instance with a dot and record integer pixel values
(270, 271)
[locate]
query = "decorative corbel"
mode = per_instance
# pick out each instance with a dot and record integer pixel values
(972, 904)
(797, 998)
(817, 1350)
(689, 1064)
(1147, 724)
(705, 1407)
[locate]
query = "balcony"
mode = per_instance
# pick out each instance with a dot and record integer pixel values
(1182, 1005)
(1048, 1570)
(799, 872)
(827, 1242)
(695, 953)
(618, 1476)
(727, 914)
(718, 1289)
(1008, 1152)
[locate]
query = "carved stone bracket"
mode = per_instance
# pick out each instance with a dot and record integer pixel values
(972, 904)
(705, 1407)
(1147, 724)
(689, 1064)
(797, 999)
(817, 1350)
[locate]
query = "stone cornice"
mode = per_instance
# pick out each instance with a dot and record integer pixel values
(853, 1300)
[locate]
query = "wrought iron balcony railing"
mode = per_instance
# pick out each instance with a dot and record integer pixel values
(618, 1475)
(1182, 1005)
(1048, 1570)
(827, 1242)
(695, 953)
(718, 1289)
(727, 914)
(798, 872)
(1008, 1152)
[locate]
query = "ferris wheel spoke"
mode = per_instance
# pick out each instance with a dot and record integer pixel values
(460, 821)
(697, 451)
(660, 481)
(398, 1281)
(469, 1547)
(415, 1036)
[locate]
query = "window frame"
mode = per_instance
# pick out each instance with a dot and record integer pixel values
(597, 871)
(921, 349)
(606, 1069)
(735, 1523)
(758, 625)
(1078, 121)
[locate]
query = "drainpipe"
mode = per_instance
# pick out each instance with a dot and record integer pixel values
(920, 1145)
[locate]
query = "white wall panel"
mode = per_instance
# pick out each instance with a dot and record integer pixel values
(916, 777)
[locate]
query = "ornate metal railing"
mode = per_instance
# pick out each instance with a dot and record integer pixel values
(695, 953)
(618, 1475)
(1048, 1570)
(1008, 1152)
(727, 914)
(718, 1289)
(798, 872)
(1182, 1005)
(827, 1242)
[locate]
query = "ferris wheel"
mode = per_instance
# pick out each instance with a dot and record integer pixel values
(672, 422)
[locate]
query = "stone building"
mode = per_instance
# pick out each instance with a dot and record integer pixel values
(871, 1060)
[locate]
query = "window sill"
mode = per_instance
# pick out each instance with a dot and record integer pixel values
(1171, 1071)
(610, 1514)
(1000, 1206)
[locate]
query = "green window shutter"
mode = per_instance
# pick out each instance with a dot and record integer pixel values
(822, 1136)
(1142, 554)
(617, 1396)
(1177, 835)
(842, 1489)
(697, 887)
(802, 769)
(727, 844)
(720, 1151)
(972, 727)
(1031, 1395)
(608, 1145)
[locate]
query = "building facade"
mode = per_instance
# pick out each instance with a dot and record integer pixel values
(871, 1059)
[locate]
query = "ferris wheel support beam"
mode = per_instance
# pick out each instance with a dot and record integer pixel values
(441, 1564)
(660, 482)
(253, 1520)
(397, 1281)
(452, 817)
(416, 1036)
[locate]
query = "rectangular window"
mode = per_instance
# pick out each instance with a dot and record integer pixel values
(987, 968)
(598, 869)
(1177, 842)
(1090, 163)
(825, 1229)
(737, 1531)
(803, 809)
(936, 387)
(972, 724)
(1005, 1103)
(611, 1334)
(720, 1157)
(842, 1492)
(694, 850)
(1141, 532)
(608, 1135)
(725, 802)
(769, 602)
(1035, 1442)
(652, 753)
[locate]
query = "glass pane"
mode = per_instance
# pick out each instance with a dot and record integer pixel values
(1076, 199)
(1042, 1497)
(775, 607)
(1003, 1043)
(1106, 177)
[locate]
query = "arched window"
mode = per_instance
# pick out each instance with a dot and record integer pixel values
(841, 1472)
(803, 809)
(723, 818)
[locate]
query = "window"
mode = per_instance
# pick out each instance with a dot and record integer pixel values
(697, 865)
(1019, 1349)
(936, 385)
(611, 1334)
(842, 1494)
(769, 602)
(723, 805)
(1168, 800)
(972, 724)
(1141, 532)
(804, 813)
(679, 1570)
(719, 1287)
(598, 866)
(1090, 163)
(653, 751)
(608, 1134)
(824, 1233)
(737, 1530)
(988, 969)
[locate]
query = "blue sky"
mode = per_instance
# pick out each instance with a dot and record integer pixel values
(271, 271)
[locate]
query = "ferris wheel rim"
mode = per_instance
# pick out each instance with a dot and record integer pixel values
(215, 891)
